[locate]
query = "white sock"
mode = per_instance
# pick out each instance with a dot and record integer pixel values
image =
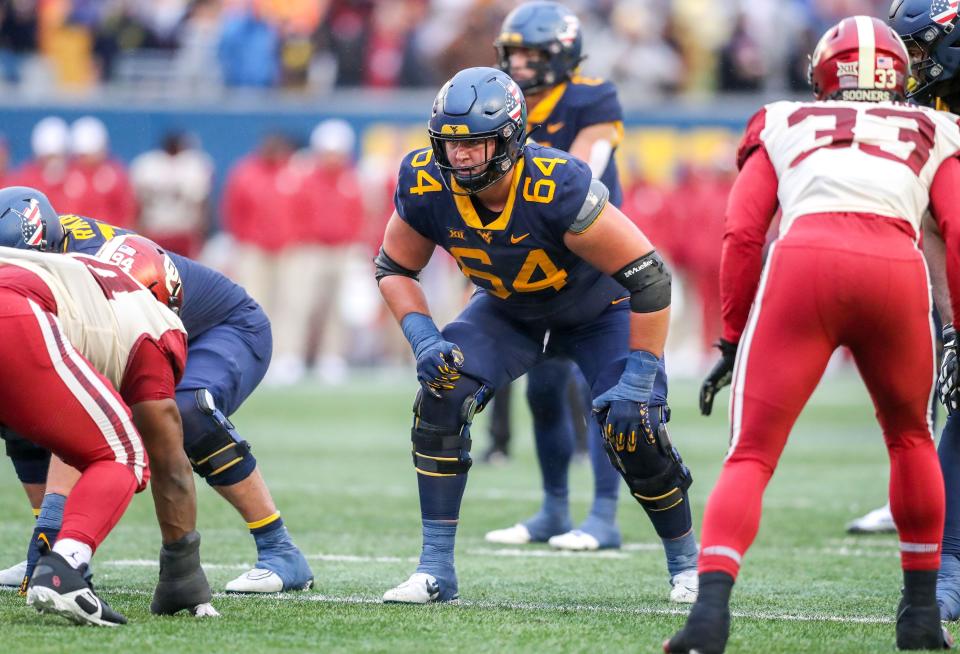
(73, 551)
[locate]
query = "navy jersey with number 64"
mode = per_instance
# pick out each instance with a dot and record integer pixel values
(519, 256)
(572, 106)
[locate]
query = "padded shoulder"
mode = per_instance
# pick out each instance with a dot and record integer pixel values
(751, 137)
(418, 182)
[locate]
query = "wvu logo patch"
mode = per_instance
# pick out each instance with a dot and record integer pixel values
(455, 129)
(486, 236)
(457, 233)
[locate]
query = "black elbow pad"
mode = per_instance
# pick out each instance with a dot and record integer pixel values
(648, 281)
(387, 266)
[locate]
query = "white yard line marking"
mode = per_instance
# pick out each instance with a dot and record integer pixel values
(546, 554)
(522, 606)
(591, 608)
(536, 606)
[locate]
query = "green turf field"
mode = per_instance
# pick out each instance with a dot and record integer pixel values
(338, 463)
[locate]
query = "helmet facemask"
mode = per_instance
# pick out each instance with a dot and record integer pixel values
(544, 73)
(498, 159)
(928, 73)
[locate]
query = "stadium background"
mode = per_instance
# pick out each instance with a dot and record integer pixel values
(690, 73)
(228, 73)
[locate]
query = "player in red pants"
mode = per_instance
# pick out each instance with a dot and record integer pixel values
(853, 174)
(84, 341)
(64, 404)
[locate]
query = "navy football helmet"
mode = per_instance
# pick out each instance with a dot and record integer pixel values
(479, 104)
(28, 221)
(548, 27)
(928, 27)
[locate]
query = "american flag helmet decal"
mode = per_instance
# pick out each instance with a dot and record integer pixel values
(31, 224)
(514, 102)
(943, 12)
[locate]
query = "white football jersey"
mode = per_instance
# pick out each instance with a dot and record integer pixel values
(103, 311)
(864, 157)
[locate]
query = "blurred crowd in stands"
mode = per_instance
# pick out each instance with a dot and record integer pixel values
(652, 48)
(298, 224)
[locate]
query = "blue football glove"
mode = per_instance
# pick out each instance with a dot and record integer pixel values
(438, 361)
(622, 410)
(949, 372)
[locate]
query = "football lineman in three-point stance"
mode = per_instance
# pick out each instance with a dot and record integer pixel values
(229, 352)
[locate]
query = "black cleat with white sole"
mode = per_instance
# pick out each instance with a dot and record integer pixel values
(706, 632)
(57, 587)
(708, 625)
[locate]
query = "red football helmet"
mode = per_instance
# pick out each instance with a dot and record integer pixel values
(860, 58)
(147, 263)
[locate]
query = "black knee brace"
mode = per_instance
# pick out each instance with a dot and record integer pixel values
(220, 447)
(441, 447)
(652, 468)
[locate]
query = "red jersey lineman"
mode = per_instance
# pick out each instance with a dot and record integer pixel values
(85, 341)
(853, 175)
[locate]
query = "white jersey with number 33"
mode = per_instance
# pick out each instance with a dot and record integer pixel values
(865, 157)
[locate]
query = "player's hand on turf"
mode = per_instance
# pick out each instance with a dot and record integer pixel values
(719, 376)
(438, 367)
(948, 381)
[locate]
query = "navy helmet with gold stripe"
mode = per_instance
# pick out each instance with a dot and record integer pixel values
(550, 28)
(479, 105)
(929, 30)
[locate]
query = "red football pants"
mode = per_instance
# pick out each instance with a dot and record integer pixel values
(833, 280)
(54, 397)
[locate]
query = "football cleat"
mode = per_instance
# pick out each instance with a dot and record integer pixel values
(685, 586)
(590, 536)
(58, 588)
(420, 588)
(706, 632)
(518, 534)
(12, 576)
(279, 568)
(575, 541)
(918, 627)
(258, 580)
(878, 521)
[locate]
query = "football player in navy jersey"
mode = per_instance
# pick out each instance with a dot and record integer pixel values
(540, 47)
(229, 348)
(934, 47)
(560, 272)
